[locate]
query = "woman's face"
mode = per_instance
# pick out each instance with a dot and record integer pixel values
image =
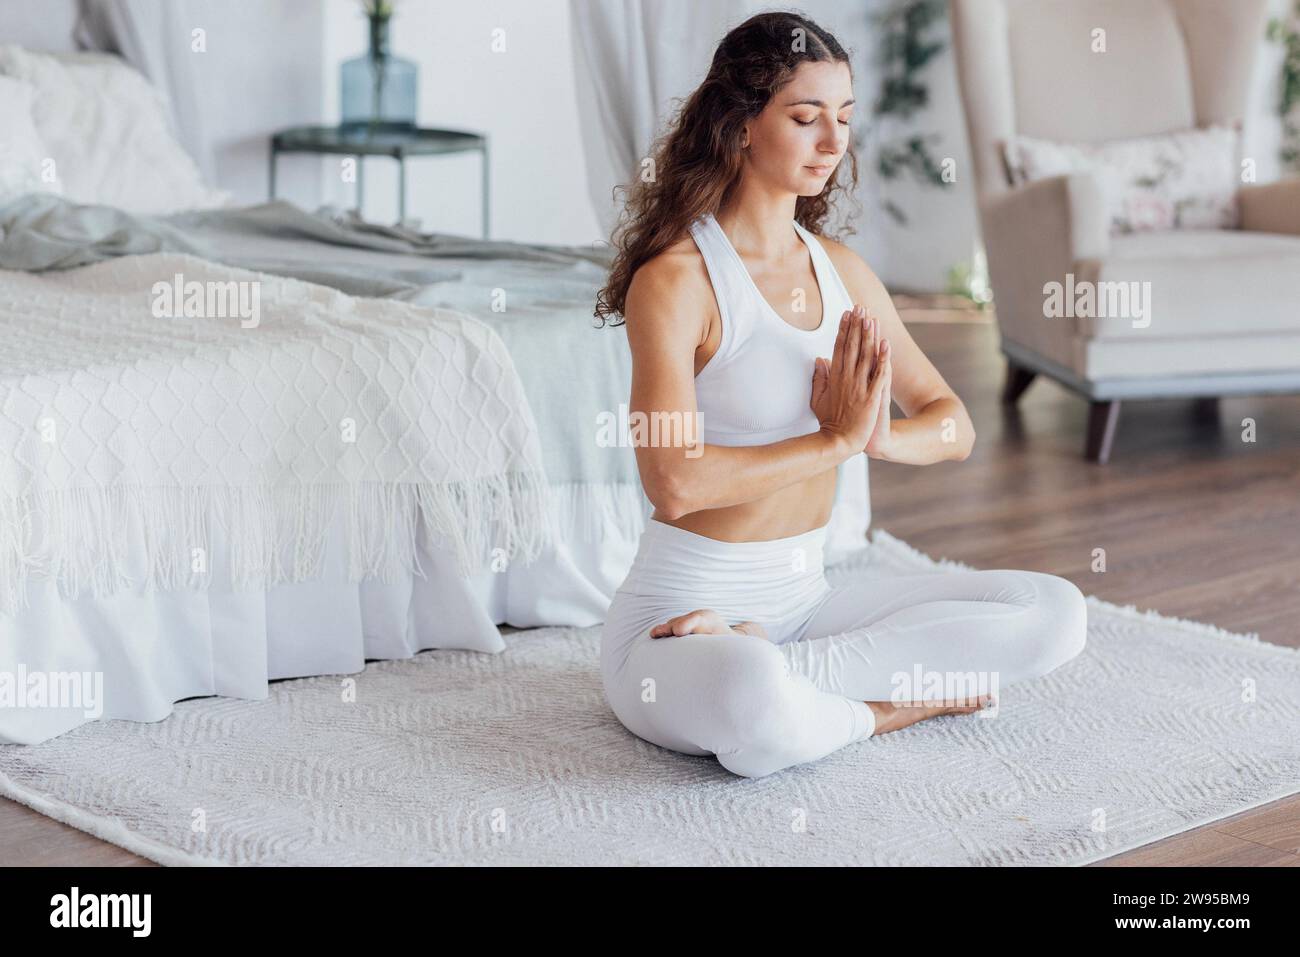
(796, 142)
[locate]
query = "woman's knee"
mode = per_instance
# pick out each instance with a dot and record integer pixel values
(749, 694)
(754, 761)
(761, 717)
(1062, 622)
(703, 693)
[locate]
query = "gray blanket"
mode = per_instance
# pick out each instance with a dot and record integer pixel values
(537, 297)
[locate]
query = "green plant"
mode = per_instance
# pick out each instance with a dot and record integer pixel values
(969, 281)
(1287, 32)
(905, 51)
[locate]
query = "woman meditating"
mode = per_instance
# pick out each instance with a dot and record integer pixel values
(726, 637)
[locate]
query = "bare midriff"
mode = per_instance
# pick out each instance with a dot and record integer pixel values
(792, 510)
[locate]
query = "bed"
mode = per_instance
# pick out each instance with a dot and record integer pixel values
(97, 591)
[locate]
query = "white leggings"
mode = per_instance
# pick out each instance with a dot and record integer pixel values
(764, 705)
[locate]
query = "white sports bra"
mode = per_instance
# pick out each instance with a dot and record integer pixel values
(756, 387)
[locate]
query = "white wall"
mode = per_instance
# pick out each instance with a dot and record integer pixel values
(941, 228)
(522, 98)
(260, 73)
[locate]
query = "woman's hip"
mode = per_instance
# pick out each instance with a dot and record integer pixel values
(673, 564)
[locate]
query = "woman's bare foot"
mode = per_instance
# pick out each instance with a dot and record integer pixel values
(705, 621)
(891, 715)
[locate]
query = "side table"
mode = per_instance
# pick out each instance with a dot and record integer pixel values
(383, 139)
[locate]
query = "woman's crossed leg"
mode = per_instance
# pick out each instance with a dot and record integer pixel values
(874, 656)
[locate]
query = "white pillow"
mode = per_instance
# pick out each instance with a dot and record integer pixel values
(22, 151)
(1184, 180)
(106, 129)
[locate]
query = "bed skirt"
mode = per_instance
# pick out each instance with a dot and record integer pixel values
(133, 654)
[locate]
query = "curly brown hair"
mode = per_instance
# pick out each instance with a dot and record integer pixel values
(697, 160)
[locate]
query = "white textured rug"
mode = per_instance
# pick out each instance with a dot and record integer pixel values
(457, 757)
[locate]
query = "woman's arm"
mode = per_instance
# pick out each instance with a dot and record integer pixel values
(666, 324)
(937, 426)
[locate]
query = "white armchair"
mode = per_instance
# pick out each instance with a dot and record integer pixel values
(1225, 304)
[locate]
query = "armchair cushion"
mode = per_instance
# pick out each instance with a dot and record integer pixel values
(1205, 284)
(1221, 304)
(1184, 180)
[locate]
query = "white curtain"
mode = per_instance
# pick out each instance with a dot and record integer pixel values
(631, 58)
(154, 36)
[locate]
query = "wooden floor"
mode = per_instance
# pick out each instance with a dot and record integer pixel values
(1195, 522)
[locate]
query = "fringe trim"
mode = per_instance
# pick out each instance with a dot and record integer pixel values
(897, 546)
(591, 512)
(100, 542)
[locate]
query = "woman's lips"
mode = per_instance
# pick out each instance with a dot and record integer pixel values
(819, 170)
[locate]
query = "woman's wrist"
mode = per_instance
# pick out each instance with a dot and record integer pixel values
(913, 441)
(839, 446)
(886, 449)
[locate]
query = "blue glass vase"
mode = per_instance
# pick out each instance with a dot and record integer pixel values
(378, 88)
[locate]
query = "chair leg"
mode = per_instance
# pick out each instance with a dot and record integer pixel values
(1206, 408)
(1102, 419)
(1018, 379)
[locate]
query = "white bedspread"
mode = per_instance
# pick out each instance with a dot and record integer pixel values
(126, 411)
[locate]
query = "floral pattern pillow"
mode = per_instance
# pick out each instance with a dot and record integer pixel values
(1184, 180)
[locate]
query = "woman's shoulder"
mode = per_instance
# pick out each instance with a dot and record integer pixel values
(671, 294)
(678, 271)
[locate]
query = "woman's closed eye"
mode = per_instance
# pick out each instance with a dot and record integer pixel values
(811, 122)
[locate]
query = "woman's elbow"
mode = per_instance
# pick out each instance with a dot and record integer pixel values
(665, 494)
(964, 432)
(958, 438)
(968, 446)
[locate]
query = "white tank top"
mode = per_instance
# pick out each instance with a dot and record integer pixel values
(755, 389)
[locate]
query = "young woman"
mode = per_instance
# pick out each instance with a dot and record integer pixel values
(726, 638)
